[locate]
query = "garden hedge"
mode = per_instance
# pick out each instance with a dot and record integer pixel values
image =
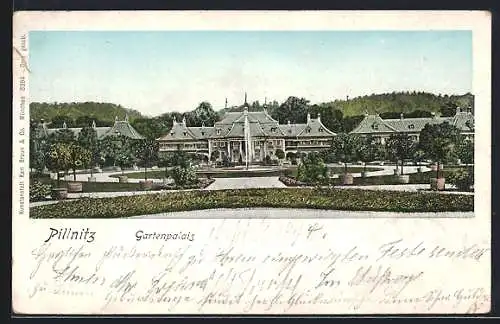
(333, 199)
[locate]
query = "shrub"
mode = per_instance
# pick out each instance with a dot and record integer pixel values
(183, 176)
(39, 191)
(461, 179)
(312, 170)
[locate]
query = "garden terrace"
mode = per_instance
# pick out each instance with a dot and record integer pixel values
(326, 199)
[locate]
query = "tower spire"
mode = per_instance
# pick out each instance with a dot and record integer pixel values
(225, 106)
(245, 97)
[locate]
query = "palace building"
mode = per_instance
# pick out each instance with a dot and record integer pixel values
(247, 136)
(120, 127)
(382, 129)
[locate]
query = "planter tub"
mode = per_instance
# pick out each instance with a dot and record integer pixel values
(396, 172)
(92, 179)
(434, 167)
(53, 176)
(75, 187)
(146, 184)
(117, 168)
(419, 169)
(122, 179)
(404, 178)
(68, 177)
(347, 179)
(437, 183)
(59, 193)
(97, 170)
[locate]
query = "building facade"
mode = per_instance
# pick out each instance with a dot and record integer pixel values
(382, 129)
(246, 136)
(120, 127)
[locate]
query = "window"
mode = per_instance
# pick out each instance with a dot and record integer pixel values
(320, 130)
(202, 133)
(218, 131)
(411, 126)
(273, 129)
(172, 133)
(375, 126)
(185, 133)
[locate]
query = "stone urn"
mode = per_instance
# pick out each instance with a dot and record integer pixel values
(347, 179)
(96, 170)
(75, 186)
(68, 177)
(59, 193)
(146, 184)
(403, 178)
(92, 179)
(396, 172)
(437, 184)
(419, 169)
(363, 174)
(122, 179)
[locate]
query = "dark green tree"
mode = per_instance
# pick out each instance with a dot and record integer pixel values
(345, 148)
(399, 148)
(439, 142)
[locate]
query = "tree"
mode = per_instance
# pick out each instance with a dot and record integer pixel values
(59, 120)
(59, 158)
(466, 155)
(204, 114)
(312, 169)
(87, 138)
(147, 152)
(293, 109)
(181, 170)
(280, 154)
(369, 150)
(345, 148)
(448, 109)
(399, 148)
(439, 142)
(63, 135)
(79, 157)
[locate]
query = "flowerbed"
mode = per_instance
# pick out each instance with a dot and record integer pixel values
(202, 183)
(333, 199)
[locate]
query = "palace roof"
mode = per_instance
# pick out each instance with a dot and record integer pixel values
(119, 128)
(261, 124)
(373, 124)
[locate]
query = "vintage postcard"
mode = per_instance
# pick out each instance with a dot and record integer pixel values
(251, 162)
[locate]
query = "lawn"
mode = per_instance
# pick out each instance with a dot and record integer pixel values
(329, 199)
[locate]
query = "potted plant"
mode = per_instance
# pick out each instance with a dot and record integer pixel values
(147, 152)
(80, 158)
(440, 143)
(345, 147)
(399, 147)
(369, 150)
(59, 159)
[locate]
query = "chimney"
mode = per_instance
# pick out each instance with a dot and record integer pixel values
(289, 123)
(225, 105)
(402, 116)
(319, 117)
(174, 121)
(116, 119)
(93, 124)
(308, 117)
(64, 125)
(183, 121)
(458, 110)
(366, 113)
(126, 118)
(347, 98)
(433, 114)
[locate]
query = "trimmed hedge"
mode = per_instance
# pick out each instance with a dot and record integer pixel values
(330, 199)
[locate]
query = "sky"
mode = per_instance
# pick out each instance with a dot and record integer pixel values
(155, 72)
